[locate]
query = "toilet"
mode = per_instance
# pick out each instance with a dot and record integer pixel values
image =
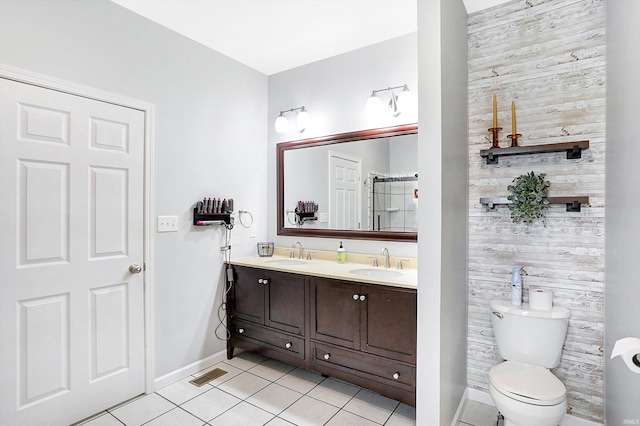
(530, 341)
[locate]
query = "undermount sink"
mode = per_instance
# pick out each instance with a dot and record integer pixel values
(286, 262)
(381, 273)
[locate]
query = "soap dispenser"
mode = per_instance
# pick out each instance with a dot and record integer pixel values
(342, 254)
(516, 286)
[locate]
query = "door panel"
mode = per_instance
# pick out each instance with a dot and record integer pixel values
(335, 314)
(285, 309)
(72, 314)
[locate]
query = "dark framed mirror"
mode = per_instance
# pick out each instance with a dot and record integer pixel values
(356, 185)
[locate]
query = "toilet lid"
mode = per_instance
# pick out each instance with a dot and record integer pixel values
(528, 383)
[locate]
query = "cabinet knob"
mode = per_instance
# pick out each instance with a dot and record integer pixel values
(356, 296)
(259, 280)
(396, 376)
(264, 281)
(241, 330)
(288, 345)
(362, 298)
(327, 356)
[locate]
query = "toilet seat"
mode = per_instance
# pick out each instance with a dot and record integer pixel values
(527, 383)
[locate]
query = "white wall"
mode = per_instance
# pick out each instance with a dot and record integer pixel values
(442, 164)
(335, 92)
(210, 112)
(622, 292)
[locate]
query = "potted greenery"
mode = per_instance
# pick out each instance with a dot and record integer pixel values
(528, 196)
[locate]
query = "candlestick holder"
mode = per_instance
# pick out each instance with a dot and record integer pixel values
(514, 138)
(494, 139)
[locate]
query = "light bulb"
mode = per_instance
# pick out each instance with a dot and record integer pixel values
(302, 120)
(374, 104)
(282, 124)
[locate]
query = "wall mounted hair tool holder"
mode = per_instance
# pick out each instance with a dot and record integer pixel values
(305, 211)
(213, 211)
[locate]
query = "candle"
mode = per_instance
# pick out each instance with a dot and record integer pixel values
(495, 112)
(513, 118)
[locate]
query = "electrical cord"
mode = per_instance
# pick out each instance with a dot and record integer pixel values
(228, 283)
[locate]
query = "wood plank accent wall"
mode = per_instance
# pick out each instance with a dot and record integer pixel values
(549, 57)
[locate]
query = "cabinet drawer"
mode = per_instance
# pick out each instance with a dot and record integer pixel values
(372, 367)
(275, 340)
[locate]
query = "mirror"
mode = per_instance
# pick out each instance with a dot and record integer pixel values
(357, 185)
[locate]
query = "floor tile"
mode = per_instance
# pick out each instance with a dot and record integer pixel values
(142, 410)
(309, 412)
(177, 416)
(478, 414)
(372, 406)
(271, 369)
(274, 398)
(343, 418)
(182, 391)
(210, 404)
(404, 415)
(244, 385)
(334, 392)
(300, 380)
(279, 422)
(105, 419)
(245, 360)
(243, 414)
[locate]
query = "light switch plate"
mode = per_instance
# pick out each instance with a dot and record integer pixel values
(253, 231)
(323, 217)
(167, 223)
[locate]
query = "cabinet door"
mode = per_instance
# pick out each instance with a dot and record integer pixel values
(389, 323)
(248, 294)
(285, 302)
(335, 312)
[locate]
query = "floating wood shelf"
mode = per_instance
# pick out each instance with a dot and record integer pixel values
(573, 203)
(573, 150)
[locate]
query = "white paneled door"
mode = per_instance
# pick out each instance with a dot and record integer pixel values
(71, 215)
(344, 191)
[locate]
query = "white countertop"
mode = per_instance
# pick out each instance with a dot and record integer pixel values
(405, 278)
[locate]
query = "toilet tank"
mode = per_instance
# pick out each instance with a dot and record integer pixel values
(529, 335)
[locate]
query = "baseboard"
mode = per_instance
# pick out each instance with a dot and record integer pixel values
(568, 420)
(190, 369)
(460, 410)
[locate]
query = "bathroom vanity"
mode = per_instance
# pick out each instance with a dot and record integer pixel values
(320, 315)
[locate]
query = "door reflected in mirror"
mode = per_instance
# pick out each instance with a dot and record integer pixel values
(361, 185)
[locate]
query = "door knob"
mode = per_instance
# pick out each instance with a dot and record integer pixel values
(135, 269)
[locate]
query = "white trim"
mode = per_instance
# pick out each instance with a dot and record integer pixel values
(568, 420)
(190, 369)
(461, 407)
(24, 76)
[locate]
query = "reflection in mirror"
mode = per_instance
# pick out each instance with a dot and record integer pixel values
(352, 185)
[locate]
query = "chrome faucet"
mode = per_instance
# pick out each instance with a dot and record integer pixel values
(385, 253)
(299, 244)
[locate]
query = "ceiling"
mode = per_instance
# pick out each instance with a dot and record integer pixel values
(276, 35)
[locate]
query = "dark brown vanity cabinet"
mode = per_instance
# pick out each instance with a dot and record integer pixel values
(360, 333)
(365, 334)
(266, 313)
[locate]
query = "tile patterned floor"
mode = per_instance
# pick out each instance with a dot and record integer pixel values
(262, 391)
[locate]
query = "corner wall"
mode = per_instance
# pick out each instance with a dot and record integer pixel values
(442, 167)
(549, 57)
(622, 292)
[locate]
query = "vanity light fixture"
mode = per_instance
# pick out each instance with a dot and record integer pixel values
(396, 104)
(302, 120)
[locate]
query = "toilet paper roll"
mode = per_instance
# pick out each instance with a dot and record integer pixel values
(540, 299)
(629, 349)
